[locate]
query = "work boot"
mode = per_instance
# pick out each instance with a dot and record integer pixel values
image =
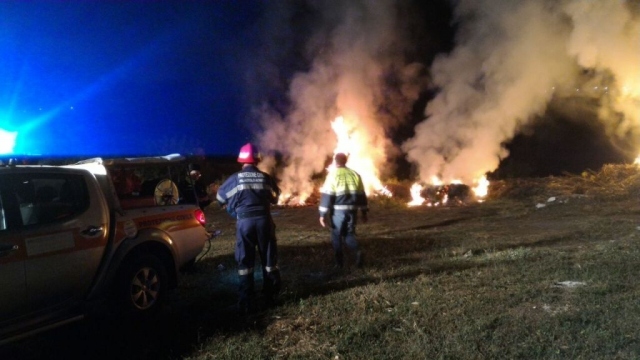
(245, 294)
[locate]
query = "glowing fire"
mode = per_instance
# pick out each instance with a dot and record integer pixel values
(416, 198)
(441, 191)
(436, 181)
(356, 148)
(482, 188)
(292, 200)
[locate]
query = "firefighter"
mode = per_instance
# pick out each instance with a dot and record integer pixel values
(247, 196)
(192, 189)
(342, 195)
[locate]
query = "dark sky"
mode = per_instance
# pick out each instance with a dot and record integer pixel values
(85, 78)
(123, 77)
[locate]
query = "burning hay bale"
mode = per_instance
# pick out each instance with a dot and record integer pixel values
(451, 194)
(400, 191)
(612, 181)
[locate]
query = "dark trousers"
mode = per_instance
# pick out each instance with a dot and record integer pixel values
(251, 233)
(343, 226)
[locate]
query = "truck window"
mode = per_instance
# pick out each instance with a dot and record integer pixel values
(47, 198)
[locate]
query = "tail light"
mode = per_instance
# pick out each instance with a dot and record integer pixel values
(199, 214)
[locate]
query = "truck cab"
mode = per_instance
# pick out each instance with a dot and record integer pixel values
(70, 240)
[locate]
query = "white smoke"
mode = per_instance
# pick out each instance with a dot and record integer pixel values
(606, 37)
(509, 59)
(354, 49)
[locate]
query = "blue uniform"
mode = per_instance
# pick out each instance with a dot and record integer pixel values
(342, 195)
(248, 195)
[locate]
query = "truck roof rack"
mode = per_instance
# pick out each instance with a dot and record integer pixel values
(148, 160)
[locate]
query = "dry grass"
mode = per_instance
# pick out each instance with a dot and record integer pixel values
(494, 280)
(610, 183)
(478, 281)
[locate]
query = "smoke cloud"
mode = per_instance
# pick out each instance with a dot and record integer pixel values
(356, 69)
(510, 59)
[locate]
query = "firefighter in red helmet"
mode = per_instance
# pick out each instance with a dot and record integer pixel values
(248, 196)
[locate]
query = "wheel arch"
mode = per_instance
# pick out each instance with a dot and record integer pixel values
(157, 243)
(158, 249)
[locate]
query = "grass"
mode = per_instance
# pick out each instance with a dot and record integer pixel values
(482, 281)
(502, 279)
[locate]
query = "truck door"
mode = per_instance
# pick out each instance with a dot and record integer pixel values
(12, 256)
(64, 235)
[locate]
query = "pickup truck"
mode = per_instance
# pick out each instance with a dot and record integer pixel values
(69, 241)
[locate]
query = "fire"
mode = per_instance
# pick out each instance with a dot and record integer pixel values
(416, 198)
(292, 199)
(436, 181)
(440, 194)
(355, 146)
(482, 188)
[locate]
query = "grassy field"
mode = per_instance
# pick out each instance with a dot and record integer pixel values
(507, 278)
(544, 269)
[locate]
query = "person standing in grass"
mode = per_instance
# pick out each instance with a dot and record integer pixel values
(342, 195)
(247, 196)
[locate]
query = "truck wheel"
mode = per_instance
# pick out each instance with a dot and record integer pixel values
(142, 285)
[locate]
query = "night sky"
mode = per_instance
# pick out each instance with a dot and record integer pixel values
(120, 77)
(103, 78)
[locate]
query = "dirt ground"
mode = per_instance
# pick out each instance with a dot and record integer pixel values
(202, 306)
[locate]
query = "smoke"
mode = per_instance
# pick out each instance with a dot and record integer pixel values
(511, 58)
(352, 66)
(606, 38)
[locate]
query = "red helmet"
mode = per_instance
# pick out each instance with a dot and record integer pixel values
(248, 154)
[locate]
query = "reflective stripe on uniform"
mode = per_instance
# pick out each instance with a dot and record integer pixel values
(347, 192)
(231, 192)
(257, 186)
(271, 268)
(242, 272)
(342, 192)
(345, 207)
(241, 187)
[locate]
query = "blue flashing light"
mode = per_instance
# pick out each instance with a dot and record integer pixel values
(68, 91)
(7, 141)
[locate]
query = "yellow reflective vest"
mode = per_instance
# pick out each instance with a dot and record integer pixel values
(343, 190)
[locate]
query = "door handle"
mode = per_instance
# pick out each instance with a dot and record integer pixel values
(6, 249)
(92, 230)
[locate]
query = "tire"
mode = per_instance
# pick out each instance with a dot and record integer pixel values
(142, 285)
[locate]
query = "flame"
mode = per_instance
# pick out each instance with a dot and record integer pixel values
(416, 198)
(441, 191)
(436, 181)
(482, 188)
(292, 199)
(355, 146)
